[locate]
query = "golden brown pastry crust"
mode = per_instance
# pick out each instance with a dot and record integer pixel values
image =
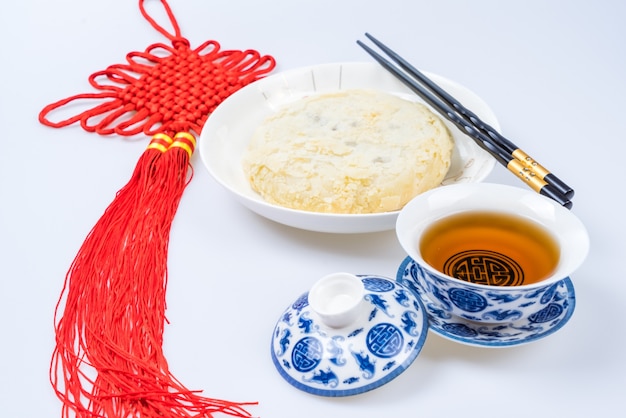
(355, 151)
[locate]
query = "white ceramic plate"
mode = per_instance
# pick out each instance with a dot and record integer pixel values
(229, 128)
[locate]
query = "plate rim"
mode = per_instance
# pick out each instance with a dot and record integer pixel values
(329, 222)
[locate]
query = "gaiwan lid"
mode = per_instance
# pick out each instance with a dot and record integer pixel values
(349, 334)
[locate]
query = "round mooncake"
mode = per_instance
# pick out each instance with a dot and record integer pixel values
(354, 151)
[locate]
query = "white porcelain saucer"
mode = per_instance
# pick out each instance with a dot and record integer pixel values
(542, 323)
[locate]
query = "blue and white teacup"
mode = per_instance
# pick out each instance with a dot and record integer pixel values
(485, 301)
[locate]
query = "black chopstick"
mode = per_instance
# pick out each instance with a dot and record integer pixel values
(504, 151)
(510, 147)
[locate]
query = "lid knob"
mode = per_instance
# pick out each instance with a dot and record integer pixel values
(337, 299)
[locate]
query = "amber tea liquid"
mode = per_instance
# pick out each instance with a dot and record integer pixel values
(490, 248)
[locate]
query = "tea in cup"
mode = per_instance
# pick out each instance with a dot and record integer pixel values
(490, 253)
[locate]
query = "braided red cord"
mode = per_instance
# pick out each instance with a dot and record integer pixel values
(165, 88)
(109, 321)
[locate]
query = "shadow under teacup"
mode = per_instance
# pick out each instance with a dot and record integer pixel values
(490, 253)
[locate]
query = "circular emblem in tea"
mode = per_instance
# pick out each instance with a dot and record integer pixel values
(484, 267)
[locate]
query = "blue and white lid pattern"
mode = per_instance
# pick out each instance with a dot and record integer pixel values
(372, 351)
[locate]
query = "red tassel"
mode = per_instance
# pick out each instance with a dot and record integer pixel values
(108, 360)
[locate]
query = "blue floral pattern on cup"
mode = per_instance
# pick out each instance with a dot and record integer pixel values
(363, 356)
(489, 318)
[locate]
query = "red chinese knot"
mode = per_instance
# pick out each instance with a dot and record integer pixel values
(108, 359)
(165, 88)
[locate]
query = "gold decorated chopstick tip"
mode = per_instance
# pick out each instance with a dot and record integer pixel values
(503, 150)
(522, 171)
(543, 173)
(533, 165)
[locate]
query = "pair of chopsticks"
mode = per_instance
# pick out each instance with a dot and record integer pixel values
(504, 151)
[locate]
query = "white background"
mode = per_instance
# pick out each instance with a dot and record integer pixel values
(553, 72)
